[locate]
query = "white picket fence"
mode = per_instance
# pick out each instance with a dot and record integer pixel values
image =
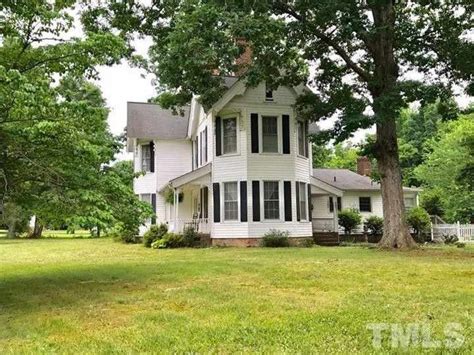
(464, 232)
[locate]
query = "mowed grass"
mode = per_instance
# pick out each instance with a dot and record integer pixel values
(94, 295)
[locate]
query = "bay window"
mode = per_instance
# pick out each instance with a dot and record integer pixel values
(229, 135)
(231, 204)
(271, 200)
(270, 134)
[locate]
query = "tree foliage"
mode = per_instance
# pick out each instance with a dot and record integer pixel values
(54, 138)
(341, 156)
(446, 172)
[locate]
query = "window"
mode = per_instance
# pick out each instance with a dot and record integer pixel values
(146, 157)
(269, 134)
(409, 202)
(302, 144)
(229, 135)
(365, 204)
(268, 93)
(146, 198)
(196, 153)
(331, 205)
(302, 200)
(204, 145)
(271, 201)
(231, 204)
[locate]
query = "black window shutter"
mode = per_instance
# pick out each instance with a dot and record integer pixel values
(339, 204)
(310, 206)
(286, 134)
(243, 201)
(153, 205)
(152, 157)
(218, 136)
(287, 199)
(306, 154)
(298, 214)
(331, 204)
(217, 202)
(254, 131)
(205, 202)
(256, 200)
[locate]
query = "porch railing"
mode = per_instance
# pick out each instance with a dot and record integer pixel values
(323, 225)
(201, 225)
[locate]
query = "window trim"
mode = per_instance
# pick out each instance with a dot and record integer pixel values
(262, 201)
(149, 158)
(279, 134)
(223, 219)
(370, 204)
(237, 135)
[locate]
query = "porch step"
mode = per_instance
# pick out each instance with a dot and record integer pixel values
(326, 238)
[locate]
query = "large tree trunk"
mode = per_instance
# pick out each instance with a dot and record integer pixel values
(37, 230)
(395, 231)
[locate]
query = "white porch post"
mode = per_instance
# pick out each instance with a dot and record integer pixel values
(335, 213)
(175, 200)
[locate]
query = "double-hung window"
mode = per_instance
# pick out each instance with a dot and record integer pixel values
(270, 134)
(229, 135)
(302, 200)
(365, 204)
(231, 204)
(302, 139)
(146, 158)
(271, 200)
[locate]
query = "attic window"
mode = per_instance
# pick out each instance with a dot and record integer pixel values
(268, 93)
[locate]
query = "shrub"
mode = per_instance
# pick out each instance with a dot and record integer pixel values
(450, 239)
(173, 240)
(418, 219)
(191, 237)
(276, 239)
(121, 234)
(154, 233)
(374, 225)
(349, 219)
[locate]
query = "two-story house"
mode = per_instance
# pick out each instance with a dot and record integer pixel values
(237, 170)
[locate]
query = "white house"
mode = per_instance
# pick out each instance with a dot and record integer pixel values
(239, 169)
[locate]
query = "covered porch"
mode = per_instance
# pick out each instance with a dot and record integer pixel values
(326, 202)
(191, 200)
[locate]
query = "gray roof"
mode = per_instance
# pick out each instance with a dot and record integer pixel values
(230, 80)
(345, 179)
(150, 121)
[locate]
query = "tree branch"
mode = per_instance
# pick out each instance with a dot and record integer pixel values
(287, 9)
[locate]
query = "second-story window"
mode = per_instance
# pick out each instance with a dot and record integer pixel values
(146, 158)
(229, 135)
(269, 134)
(268, 93)
(302, 139)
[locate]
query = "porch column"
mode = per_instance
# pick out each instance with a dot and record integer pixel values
(175, 201)
(335, 213)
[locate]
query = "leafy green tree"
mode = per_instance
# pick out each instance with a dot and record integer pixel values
(54, 139)
(446, 171)
(361, 51)
(341, 156)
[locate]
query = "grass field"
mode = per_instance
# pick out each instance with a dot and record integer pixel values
(93, 295)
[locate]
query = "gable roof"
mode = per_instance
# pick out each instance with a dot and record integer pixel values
(150, 121)
(345, 179)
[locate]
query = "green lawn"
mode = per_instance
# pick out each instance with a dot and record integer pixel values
(93, 295)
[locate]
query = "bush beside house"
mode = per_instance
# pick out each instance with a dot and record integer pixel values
(419, 220)
(349, 219)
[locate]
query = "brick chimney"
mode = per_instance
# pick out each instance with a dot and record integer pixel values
(245, 59)
(364, 167)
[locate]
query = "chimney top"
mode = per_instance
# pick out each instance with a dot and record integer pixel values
(364, 167)
(244, 61)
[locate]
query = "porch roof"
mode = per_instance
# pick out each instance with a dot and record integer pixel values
(191, 176)
(325, 186)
